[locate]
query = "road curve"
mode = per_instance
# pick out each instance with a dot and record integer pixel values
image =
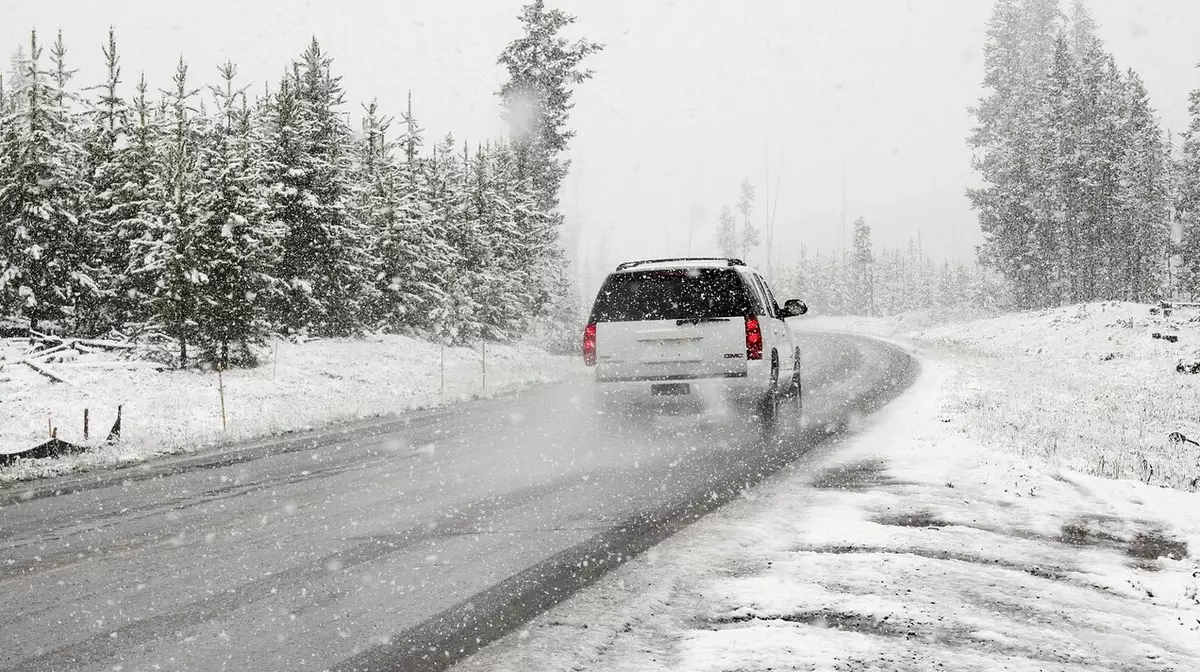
(403, 544)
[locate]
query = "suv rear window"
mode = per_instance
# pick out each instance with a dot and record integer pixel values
(671, 294)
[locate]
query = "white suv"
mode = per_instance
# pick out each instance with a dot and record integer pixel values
(702, 329)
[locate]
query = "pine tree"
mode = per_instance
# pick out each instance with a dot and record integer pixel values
(374, 209)
(421, 263)
(495, 267)
(1188, 206)
(727, 238)
(458, 320)
(817, 284)
(232, 239)
(1075, 203)
(543, 69)
(862, 270)
(107, 131)
(945, 296)
(1065, 164)
(18, 79)
(411, 139)
(168, 252)
(323, 265)
(1107, 235)
(547, 286)
(746, 207)
(44, 249)
(1017, 57)
(131, 213)
(1143, 205)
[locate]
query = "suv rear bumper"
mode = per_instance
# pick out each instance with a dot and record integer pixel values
(707, 392)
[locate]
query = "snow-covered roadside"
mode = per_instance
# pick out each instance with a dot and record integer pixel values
(297, 386)
(1085, 387)
(908, 547)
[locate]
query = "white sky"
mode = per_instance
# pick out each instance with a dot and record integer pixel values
(687, 98)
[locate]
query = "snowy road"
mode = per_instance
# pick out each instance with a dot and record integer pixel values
(388, 545)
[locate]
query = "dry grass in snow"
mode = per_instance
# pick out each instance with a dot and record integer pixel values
(1085, 387)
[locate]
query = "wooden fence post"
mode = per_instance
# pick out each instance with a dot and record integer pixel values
(221, 386)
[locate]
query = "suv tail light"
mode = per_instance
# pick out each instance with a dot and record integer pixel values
(753, 339)
(589, 345)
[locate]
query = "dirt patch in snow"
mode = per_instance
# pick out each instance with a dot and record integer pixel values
(855, 476)
(1154, 544)
(940, 633)
(1082, 531)
(925, 518)
(1147, 543)
(868, 624)
(1052, 573)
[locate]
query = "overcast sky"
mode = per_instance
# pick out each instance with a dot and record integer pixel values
(689, 97)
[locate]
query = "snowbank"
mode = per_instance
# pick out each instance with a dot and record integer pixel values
(909, 547)
(297, 387)
(1085, 387)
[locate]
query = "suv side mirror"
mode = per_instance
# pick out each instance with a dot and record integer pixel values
(794, 308)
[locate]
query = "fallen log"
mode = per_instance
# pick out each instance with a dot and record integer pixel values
(116, 365)
(39, 336)
(109, 345)
(49, 374)
(37, 355)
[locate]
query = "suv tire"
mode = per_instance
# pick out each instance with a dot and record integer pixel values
(768, 406)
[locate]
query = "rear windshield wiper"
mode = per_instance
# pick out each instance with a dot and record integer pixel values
(698, 320)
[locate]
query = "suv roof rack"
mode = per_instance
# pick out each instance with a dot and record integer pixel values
(729, 261)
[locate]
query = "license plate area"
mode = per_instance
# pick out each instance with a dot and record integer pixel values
(670, 389)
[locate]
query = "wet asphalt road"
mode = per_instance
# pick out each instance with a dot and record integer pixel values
(397, 544)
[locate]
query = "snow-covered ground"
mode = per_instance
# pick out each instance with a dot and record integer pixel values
(934, 540)
(1084, 387)
(297, 386)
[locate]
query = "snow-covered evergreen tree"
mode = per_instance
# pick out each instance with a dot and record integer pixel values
(233, 241)
(1188, 206)
(168, 252)
(106, 133)
(410, 255)
(745, 205)
(459, 319)
(1143, 201)
(128, 214)
(900, 281)
(727, 238)
(323, 265)
(372, 205)
(543, 69)
(146, 213)
(862, 270)
(1017, 56)
(425, 260)
(45, 250)
(1074, 206)
(544, 284)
